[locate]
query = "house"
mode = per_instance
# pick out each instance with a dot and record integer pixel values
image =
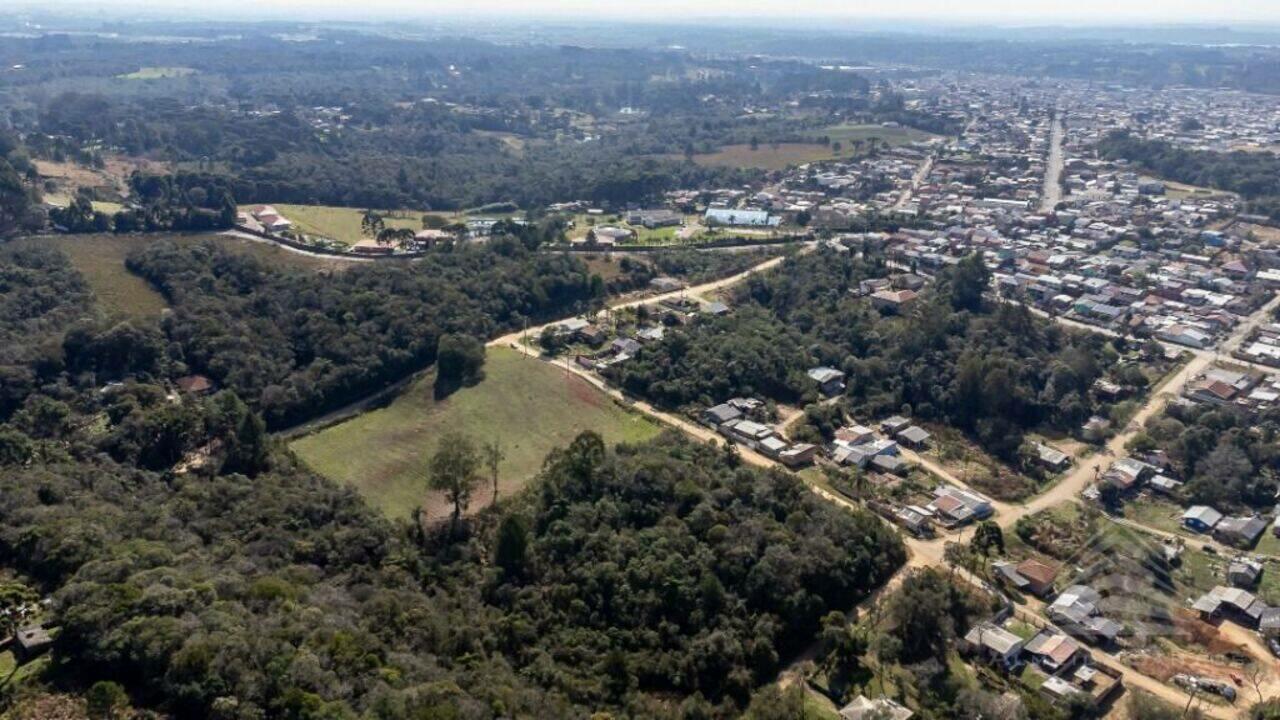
(956, 506)
(894, 424)
(749, 432)
(1127, 473)
(1056, 652)
(882, 708)
(665, 284)
(1240, 605)
(1008, 572)
(715, 308)
(1201, 518)
(1039, 575)
(914, 520)
(1269, 623)
(995, 645)
(1239, 531)
(194, 384)
(720, 414)
(1059, 690)
(624, 347)
(914, 437)
(891, 300)
(1164, 484)
(891, 464)
(855, 434)
(1052, 458)
(593, 335)
(1076, 611)
(830, 381)
(798, 455)
(1244, 572)
(31, 641)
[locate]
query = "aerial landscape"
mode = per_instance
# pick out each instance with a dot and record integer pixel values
(686, 361)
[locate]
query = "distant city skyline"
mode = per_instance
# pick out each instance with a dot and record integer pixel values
(998, 12)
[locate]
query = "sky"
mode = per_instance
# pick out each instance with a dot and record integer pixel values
(1001, 12)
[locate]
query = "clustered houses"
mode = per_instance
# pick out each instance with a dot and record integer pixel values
(739, 420)
(1065, 665)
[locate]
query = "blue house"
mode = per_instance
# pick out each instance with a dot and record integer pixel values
(1201, 518)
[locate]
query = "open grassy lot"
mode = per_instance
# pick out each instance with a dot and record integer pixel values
(768, 156)
(343, 223)
(848, 133)
(527, 405)
(158, 73)
(100, 259)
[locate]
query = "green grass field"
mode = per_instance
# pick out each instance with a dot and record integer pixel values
(158, 73)
(343, 223)
(100, 259)
(848, 133)
(528, 406)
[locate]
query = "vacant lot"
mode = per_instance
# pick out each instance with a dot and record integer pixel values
(527, 405)
(343, 223)
(100, 259)
(847, 134)
(768, 156)
(158, 73)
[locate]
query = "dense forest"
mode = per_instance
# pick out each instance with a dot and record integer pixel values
(294, 344)
(192, 563)
(1254, 175)
(993, 371)
(1227, 457)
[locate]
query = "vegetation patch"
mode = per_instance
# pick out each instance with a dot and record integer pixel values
(343, 223)
(526, 405)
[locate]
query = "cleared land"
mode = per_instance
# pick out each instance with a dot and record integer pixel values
(528, 406)
(100, 259)
(343, 223)
(767, 156)
(158, 73)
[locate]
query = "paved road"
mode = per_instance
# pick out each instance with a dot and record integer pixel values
(923, 172)
(1051, 194)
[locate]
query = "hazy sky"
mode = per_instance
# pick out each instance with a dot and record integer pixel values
(1075, 12)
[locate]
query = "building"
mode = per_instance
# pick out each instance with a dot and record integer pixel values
(740, 218)
(892, 300)
(31, 641)
(1240, 531)
(830, 381)
(1056, 652)
(1201, 518)
(1244, 572)
(1039, 575)
(1052, 458)
(882, 708)
(721, 414)
(654, 218)
(914, 437)
(1076, 611)
(995, 645)
(1239, 605)
(955, 506)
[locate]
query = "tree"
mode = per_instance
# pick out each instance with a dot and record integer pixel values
(454, 471)
(106, 700)
(986, 537)
(459, 363)
(493, 457)
(371, 223)
(512, 552)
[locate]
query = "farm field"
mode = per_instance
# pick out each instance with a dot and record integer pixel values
(100, 259)
(528, 406)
